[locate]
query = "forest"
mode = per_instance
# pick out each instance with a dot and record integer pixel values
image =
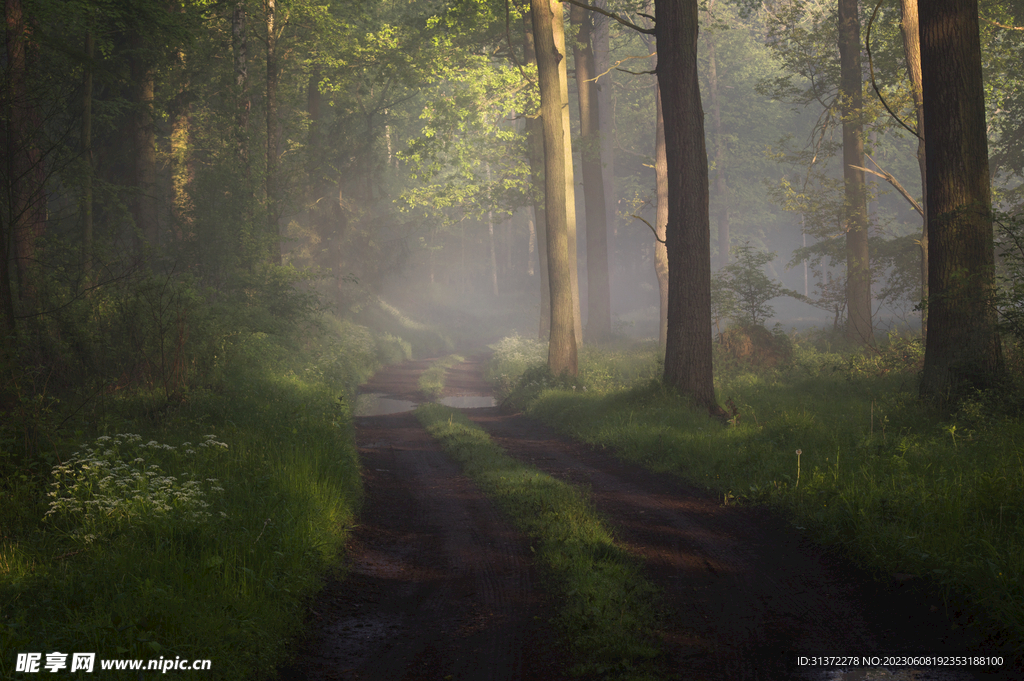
(764, 257)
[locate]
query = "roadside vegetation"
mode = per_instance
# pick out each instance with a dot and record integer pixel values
(838, 441)
(431, 381)
(194, 529)
(609, 612)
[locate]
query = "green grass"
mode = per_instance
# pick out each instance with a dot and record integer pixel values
(150, 571)
(901, 488)
(608, 611)
(431, 381)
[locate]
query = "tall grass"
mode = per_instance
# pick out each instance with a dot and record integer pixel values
(841, 444)
(212, 556)
(431, 381)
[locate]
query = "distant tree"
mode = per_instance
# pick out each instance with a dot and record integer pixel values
(858, 267)
(599, 314)
(962, 350)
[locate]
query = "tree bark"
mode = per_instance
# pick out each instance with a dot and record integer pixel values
(562, 343)
(858, 267)
(490, 234)
(558, 32)
(87, 188)
(26, 174)
(688, 352)
(144, 206)
(962, 349)
(535, 151)
(599, 315)
(661, 218)
(272, 189)
(909, 26)
(606, 119)
(721, 188)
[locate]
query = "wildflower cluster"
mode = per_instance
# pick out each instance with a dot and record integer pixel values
(113, 484)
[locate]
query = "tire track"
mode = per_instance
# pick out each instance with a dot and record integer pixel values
(439, 585)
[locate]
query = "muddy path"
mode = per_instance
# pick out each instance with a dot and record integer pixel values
(441, 586)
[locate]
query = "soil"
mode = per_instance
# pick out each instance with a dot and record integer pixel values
(439, 585)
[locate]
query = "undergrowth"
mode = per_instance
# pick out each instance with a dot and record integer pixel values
(609, 607)
(837, 441)
(197, 529)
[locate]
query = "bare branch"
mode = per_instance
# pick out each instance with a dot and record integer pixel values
(656, 237)
(612, 15)
(893, 181)
(615, 66)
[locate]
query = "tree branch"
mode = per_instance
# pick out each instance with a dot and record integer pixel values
(891, 180)
(656, 237)
(611, 15)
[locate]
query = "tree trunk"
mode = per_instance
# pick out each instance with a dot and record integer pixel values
(490, 234)
(240, 49)
(558, 32)
(721, 189)
(858, 267)
(272, 189)
(87, 189)
(661, 218)
(535, 151)
(599, 314)
(26, 175)
(606, 119)
(144, 206)
(962, 349)
(912, 51)
(562, 343)
(688, 363)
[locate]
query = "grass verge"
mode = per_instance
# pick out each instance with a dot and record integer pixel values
(608, 613)
(197, 533)
(431, 381)
(842, 445)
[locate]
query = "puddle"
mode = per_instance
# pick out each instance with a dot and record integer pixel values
(376, 404)
(468, 401)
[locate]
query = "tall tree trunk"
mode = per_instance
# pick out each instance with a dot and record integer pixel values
(562, 343)
(912, 51)
(240, 49)
(535, 151)
(962, 349)
(490, 233)
(272, 189)
(599, 314)
(26, 176)
(606, 119)
(87, 189)
(688, 363)
(661, 218)
(558, 31)
(182, 174)
(858, 267)
(721, 189)
(144, 206)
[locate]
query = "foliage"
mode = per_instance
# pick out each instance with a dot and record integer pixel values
(741, 290)
(227, 581)
(113, 486)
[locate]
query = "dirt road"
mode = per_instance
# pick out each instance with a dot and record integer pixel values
(440, 585)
